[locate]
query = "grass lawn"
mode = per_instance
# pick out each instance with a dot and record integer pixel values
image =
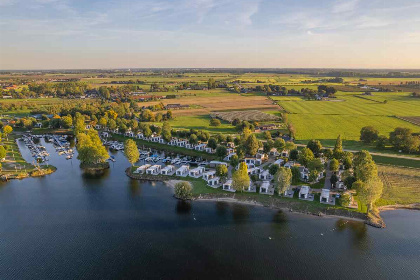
(201, 122)
(401, 185)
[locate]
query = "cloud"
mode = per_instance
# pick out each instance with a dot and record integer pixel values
(344, 6)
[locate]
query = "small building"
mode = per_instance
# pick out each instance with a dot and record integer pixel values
(209, 174)
(142, 169)
(98, 126)
(197, 172)
(254, 161)
(181, 143)
(215, 163)
(229, 156)
(213, 182)
(210, 150)
(167, 170)
(261, 156)
(266, 188)
(305, 193)
(253, 171)
(189, 146)
(183, 171)
(290, 164)
(285, 153)
(200, 147)
(265, 175)
(38, 125)
(153, 170)
(325, 196)
(304, 173)
(230, 145)
(129, 134)
(227, 186)
(274, 152)
(173, 142)
(279, 162)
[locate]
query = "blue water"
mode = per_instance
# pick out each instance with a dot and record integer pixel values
(72, 226)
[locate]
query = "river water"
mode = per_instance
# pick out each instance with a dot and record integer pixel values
(72, 226)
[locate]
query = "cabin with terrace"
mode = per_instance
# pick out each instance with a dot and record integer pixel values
(189, 146)
(183, 171)
(266, 188)
(142, 169)
(285, 153)
(98, 126)
(261, 156)
(229, 156)
(305, 193)
(210, 150)
(289, 193)
(197, 172)
(290, 164)
(213, 182)
(253, 171)
(265, 175)
(254, 161)
(139, 135)
(252, 188)
(129, 134)
(181, 143)
(274, 152)
(200, 147)
(153, 170)
(227, 186)
(88, 126)
(38, 125)
(209, 174)
(230, 145)
(215, 163)
(168, 170)
(326, 197)
(173, 142)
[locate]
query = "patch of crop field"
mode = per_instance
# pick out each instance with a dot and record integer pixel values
(251, 115)
(217, 102)
(311, 126)
(413, 120)
(401, 185)
(201, 122)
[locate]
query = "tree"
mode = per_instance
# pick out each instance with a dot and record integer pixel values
(221, 152)
(79, 124)
(338, 148)
(348, 161)
(290, 146)
(183, 190)
(348, 181)
(166, 132)
(283, 179)
(240, 178)
(267, 135)
(364, 167)
(403, 139)
(234, 161)
(279, 144)
(333, 180)
(381, 142)
(315, 146)
(313, 175)
(295, 174)
(90, 148)
(368, 192)
(294, 154)
(273, 169)
(334, 165)
(368, 134)
(7, 129)
(327, 153)
(2, 152)
(131, 151)
(215, 122)
(291, 129)
(252, 145)
(316, 164)
(221, 170)
(103, 121)
(193, 139)
(305, 156)
(345, 199)
(212, 143)
(66, 121)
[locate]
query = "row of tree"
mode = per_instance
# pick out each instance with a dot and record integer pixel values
(400, 139)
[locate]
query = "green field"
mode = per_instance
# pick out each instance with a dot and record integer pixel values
(346, 115)
(201, 122)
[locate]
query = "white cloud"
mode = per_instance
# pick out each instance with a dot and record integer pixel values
(344, 6)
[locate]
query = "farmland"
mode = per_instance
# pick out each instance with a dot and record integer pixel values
(347, 114)
(250, 115)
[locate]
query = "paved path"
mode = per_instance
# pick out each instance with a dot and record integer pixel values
(328, 174)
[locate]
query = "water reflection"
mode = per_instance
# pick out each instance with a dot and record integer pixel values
(240, 213)
(135, 187)
(183, 207)
(221, 208)
(280, 217)
(358, 230)
(96, 175)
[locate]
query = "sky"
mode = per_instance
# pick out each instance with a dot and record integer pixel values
(78, 34)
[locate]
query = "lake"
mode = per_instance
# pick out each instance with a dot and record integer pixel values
(72, 226)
